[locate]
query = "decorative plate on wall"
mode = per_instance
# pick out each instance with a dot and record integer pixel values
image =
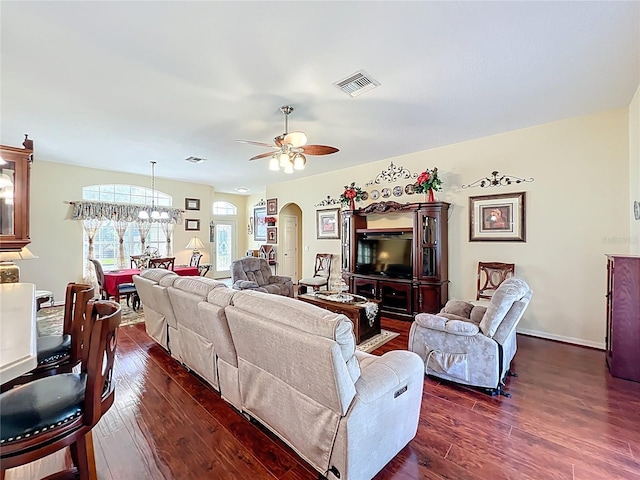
(397, 191)
(386, 193)
(408, 189)
(375, 194)
(365, 196)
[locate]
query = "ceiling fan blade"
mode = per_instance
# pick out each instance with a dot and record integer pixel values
(262, 155)
(260, 144)
(318, 149)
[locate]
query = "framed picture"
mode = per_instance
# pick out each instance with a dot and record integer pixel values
(328, 223)
(259, 225)
(497, 218)
(272, 206)
(272, 234)
(192, 224)
(192, 204)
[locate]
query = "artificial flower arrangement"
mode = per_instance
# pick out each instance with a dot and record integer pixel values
(270, 220)
(351, 193)
(428, 180)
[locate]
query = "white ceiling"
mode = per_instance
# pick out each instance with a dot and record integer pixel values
(114, 84)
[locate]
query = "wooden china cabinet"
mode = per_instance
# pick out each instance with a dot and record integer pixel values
(15, 173)
(424, 286)
(623, 316)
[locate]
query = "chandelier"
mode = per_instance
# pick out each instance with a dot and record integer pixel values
(153, 213)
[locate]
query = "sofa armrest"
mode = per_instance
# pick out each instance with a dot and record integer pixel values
(387, 373)
(248, 285)
(279, 279)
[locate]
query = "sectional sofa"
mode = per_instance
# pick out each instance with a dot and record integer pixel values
(291, 366)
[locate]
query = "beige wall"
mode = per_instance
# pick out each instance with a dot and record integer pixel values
(634, 170)
(57, 240)
(576, 213)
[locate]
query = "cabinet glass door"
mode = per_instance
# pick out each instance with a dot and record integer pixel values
(7, 184)
(429, 246)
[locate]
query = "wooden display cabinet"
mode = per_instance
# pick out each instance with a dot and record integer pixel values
(427, 289)
(15, 175)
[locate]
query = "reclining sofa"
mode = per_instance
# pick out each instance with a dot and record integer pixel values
(294, 368)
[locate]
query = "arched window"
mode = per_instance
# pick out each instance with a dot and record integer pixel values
(224, 208)
(105, 244)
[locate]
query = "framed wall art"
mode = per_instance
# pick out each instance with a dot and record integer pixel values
(328, 223)
(497, 218)
(192, 225)
(259, 224)
(272, 234)
(272, 206)
(192, 204)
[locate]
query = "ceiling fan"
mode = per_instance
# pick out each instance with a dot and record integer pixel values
(290, 148)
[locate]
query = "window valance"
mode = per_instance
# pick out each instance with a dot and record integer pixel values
(86, 210)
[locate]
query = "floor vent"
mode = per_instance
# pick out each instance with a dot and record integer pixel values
(357, 83)
(194, 160)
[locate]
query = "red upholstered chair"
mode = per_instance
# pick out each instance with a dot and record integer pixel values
(46, 415)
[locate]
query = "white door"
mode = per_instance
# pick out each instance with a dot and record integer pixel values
(289, 255)
(223, 248)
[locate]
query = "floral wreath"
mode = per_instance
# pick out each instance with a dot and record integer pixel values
(351, 192)
(428, 180)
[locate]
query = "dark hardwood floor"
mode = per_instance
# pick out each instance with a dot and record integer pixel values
(567, 419)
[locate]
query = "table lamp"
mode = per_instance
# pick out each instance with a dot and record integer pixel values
(9, 271)
(196, 244)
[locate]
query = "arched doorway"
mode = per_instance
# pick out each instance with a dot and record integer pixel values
(290, 247)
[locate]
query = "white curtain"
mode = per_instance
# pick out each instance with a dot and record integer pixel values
(91, 227)
(143, 229)
(167, 228)
(120, 227)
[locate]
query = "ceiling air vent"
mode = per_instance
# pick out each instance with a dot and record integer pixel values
(194, 160)
(357, 83)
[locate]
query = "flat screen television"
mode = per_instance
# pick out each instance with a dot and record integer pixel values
(387, 253)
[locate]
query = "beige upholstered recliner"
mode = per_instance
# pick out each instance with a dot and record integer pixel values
(472, 344)
(252, 273)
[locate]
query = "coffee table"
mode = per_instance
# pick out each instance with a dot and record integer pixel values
(362, 327)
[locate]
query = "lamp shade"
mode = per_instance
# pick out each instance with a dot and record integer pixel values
(195, 244)
(23, 254)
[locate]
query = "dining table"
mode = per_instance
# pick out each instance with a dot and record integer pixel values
(117, 277)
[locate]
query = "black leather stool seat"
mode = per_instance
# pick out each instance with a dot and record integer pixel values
(129, 289)
(41, 405)
(52, 348)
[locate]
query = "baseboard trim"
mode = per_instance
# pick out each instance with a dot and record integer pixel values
(561, 338)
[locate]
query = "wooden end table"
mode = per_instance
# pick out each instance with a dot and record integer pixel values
(362, 327)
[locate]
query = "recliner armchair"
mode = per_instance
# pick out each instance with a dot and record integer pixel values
(252, 273)
(472, 344)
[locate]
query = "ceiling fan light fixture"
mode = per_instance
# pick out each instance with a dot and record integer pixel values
(288, 168)
(284, 159)
(274, 164)
(295, 139)
(299, 161)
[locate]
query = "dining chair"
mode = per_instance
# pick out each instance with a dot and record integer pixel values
(139, 261)
(162, 262)
(321, 274)
(61, 353)
(127, 290)
(490, 277)
(46, 415)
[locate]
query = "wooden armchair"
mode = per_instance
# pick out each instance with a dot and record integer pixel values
(490, 277)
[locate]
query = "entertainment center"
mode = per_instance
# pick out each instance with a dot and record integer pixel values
(405, 267)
